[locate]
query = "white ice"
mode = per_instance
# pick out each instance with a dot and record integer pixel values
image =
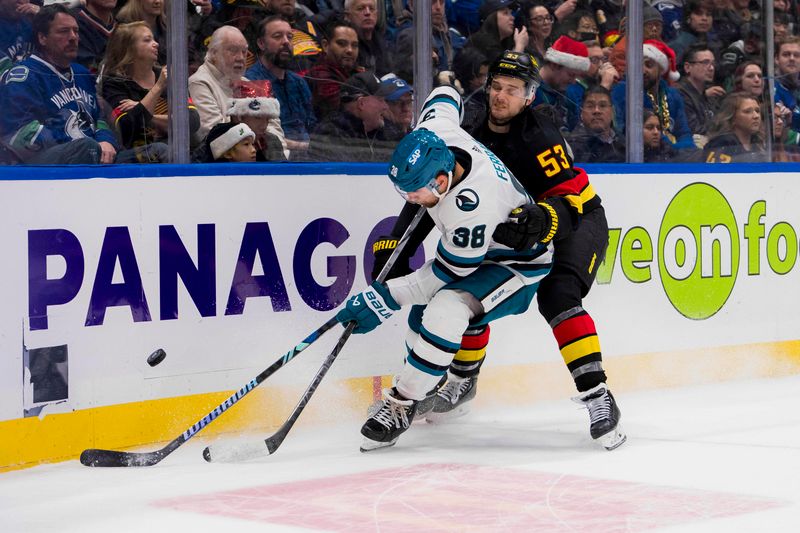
(737, 439)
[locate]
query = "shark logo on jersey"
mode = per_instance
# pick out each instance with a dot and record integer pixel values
(467, 200)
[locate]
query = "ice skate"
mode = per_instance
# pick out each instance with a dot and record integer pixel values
(604, 416)
(452, 400)
(392, 419)
(423, 406)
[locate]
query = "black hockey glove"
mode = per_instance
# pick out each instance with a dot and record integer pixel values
(382, 249)
(527, 226)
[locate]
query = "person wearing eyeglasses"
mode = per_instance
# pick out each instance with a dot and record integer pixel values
(700, 95)
(594, 140)
(581, 26)
(601, 73)
(400, 115)
(538, 19)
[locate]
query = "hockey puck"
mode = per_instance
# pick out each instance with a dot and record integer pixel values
(156, 357)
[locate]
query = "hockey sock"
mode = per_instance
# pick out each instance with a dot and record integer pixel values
(468, 360)
(576, 335)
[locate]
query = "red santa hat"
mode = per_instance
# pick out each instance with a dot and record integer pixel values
(664, 56)
(569, 53)
(254, 98)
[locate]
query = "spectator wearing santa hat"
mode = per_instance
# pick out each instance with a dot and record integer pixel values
(665, 101)
(563, 63)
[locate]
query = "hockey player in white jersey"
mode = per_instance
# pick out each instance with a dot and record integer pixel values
(472, 280)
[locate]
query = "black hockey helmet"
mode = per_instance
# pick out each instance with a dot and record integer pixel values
(520, 65)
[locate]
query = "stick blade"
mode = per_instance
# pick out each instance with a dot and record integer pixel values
(112, 458)
(236, 452)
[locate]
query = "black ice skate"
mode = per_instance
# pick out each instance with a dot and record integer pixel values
(425, 405)
(604, 416)
(452, 399)
(384, 427)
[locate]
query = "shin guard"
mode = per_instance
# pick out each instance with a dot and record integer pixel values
(576, 335)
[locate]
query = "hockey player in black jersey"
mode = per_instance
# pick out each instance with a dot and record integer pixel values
(568, 212)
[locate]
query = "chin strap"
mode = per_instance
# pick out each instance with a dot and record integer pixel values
(439, 195)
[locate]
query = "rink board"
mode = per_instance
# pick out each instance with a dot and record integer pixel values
(226, 272)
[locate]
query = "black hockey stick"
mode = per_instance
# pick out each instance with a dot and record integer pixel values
(268, 446)
(96, 457)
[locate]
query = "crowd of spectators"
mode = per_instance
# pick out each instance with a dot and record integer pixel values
(332, 80)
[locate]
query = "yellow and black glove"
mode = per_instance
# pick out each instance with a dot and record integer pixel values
(527, 226)
(382, 249)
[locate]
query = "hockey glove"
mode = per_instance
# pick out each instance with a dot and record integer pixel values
(382, 250)
(368, 309)
(527, 226)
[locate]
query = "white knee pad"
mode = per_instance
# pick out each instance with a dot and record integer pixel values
(444, 322)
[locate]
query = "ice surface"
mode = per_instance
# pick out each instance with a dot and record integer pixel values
(723, 457)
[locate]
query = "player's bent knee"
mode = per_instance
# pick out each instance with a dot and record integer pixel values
(557, 293)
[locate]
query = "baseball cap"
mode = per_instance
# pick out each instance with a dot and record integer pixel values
(363, 84)
(398, 86)
(490, 6)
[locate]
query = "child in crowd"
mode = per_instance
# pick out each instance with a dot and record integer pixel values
(230, 142)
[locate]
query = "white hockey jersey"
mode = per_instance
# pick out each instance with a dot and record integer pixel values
(469, 213)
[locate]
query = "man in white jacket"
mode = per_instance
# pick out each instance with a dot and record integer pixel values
(212, 86)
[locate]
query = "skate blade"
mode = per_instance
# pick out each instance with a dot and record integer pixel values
(368, 445)
(613, 439)
(440, 418)
(423, 408)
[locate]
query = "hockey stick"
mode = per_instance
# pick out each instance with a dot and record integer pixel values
(268, 446)
(96, 457)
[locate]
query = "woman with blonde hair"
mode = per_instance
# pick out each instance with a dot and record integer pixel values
(736, 133)
(135, 87)
(152, 13)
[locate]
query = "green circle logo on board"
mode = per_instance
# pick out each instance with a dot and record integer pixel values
(699, 251)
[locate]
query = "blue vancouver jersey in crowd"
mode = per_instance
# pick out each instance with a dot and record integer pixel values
(16, 42)
(45, 107)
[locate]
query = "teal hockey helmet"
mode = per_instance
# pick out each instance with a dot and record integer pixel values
(418, 159)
